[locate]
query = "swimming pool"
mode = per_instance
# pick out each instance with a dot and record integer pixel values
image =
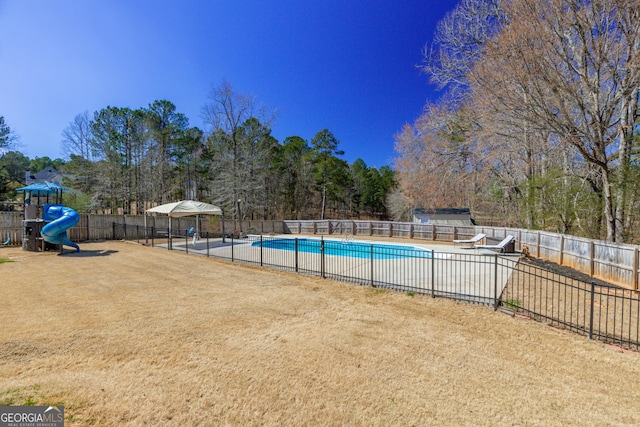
(349, 249)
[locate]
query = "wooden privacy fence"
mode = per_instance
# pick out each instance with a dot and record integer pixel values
(407, 230)
(100, 227)
(97, 227)
(11, 226)
(615, 263)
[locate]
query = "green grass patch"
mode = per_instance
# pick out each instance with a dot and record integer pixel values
(5, 260)
(512, 304)
(21, 397)
(36, 395)
(377, 291)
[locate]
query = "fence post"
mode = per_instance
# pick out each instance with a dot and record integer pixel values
(495, 282)
(519, 241)
(207, 244)
(593, 291)
(296, 245)
(322, 257)
(232, 245)
(261, 250)
(636, 263)
(592, 249)
(113, 231)
(433, 274)
(371, 256)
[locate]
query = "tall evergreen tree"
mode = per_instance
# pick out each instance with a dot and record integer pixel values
(329, 171)
(7, 137)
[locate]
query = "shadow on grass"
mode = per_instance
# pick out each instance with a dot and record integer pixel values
(201, 244)
(86, 254)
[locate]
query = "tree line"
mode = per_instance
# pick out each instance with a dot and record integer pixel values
(123, 160)
(538, 123)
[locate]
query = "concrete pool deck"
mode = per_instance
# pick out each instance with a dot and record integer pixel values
(476, 275)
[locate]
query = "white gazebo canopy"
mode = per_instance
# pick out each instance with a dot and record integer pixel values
(185, 208)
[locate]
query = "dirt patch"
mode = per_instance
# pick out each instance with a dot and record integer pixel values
(563, 271)
(128, 335)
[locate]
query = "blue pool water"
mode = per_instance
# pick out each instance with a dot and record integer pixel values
(350, 249)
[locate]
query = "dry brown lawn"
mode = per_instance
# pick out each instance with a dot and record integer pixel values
(126, 335)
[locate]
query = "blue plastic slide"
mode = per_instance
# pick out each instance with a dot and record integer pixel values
(61, 219)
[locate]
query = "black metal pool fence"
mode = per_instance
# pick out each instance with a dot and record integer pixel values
(599, 311)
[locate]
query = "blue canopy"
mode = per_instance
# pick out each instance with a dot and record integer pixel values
(40, 188)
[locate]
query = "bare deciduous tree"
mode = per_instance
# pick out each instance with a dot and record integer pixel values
(569, 68)
(459, 41)
(238, 144)
(437, 165)
(77, 136)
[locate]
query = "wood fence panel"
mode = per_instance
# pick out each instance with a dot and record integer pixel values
(290, 227)
(362, 228)
(402, 230)
(445, 233)
(529, 238)
(381, 229)
(423, 231)
(307, 227)
(322, 227)
(576, 253)
(11, 227)
(614, 263)
(464, 232)
(550, 247)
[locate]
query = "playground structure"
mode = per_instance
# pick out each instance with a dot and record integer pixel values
(45, 220)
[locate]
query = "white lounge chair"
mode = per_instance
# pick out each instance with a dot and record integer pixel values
(504, 246)
(475, 239)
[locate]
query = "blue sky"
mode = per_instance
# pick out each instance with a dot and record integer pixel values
(345, 65)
